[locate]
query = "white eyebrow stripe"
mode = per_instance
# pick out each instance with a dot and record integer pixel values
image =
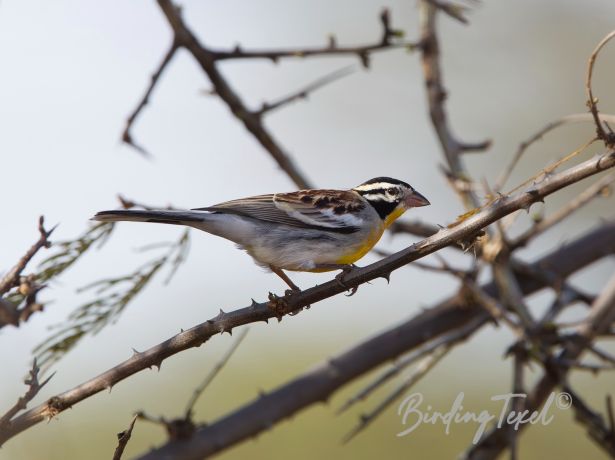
(376, 186)
(379, 197)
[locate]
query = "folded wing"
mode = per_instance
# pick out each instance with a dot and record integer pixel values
(331, 210)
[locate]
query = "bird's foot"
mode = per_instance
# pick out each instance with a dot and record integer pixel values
(288, 294)
(340, 279)
(278, 305)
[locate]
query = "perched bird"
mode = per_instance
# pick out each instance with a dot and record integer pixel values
(309, 230)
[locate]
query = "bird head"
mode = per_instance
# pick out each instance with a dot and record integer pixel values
(390, 197)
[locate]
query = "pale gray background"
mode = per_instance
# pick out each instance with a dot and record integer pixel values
(71, 71)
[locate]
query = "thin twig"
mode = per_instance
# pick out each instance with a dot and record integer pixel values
(213, 373)
(126, 135)
(34, 386)
(415, 227)
(15, 313)
(601, 433)
(454, 337)
(304, 92)
(11, 279)
(603, 355)
(592, 103)
(574, 118)
(579, 201)
(496, 310)
(122, 439)
(519, 360)
(386, 42)
(598, 321)
(454, 10)
(422, 368)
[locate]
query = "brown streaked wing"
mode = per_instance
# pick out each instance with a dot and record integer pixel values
(304, 208)
(325, 208)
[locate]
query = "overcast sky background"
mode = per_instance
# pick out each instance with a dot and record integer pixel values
(72, 72)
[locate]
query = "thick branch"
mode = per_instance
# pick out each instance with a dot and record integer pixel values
(225, 322)
(318, 384)
(436, 97)
(251, 120)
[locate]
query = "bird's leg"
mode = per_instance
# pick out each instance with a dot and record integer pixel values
(345, 269)
(279, 304)
(294, 288)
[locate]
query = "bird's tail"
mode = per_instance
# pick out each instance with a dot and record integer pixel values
(158, 216)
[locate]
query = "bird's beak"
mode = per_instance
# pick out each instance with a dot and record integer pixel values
(415, 199)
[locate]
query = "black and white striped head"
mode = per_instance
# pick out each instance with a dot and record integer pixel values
(390, 197)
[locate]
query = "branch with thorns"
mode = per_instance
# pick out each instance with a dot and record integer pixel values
(424, 330)
(225, 322)
(18, 294)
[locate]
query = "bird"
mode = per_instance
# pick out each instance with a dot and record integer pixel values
(313, 230)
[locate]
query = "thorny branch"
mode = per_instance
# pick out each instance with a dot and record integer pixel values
(225, 322)
(18, 306)
(436, 97)
(213, 373)
(184, 427)
(363, 52)
(592, 102)
(319, 383)
(209, 58)
(34, 386)
(599, 188)
(111, 295)
(601, 316)
(523, 146)
(436, 331)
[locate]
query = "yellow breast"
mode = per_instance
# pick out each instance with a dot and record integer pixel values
(356, 252)
(370, 242)
(393, 216)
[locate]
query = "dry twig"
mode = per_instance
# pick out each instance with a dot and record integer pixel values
(601, 316)
(122, 439)
(436, 97)
(34, 386)
(574, 118)
(17, 307)
(592, 102)
(422, 368)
